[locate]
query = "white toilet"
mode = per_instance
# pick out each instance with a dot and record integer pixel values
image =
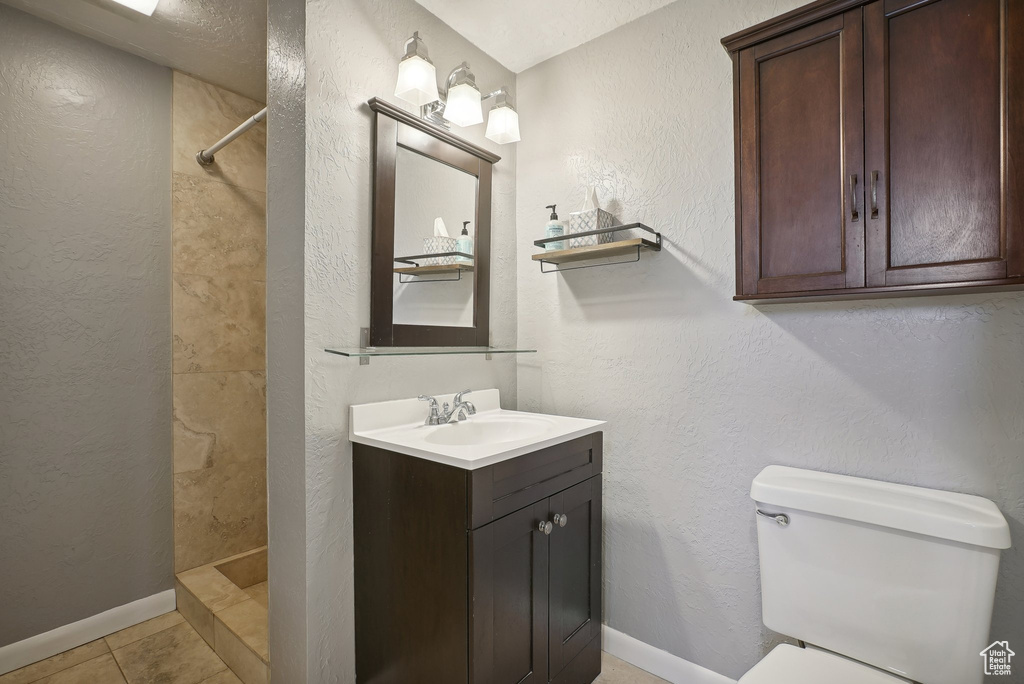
(884, 583)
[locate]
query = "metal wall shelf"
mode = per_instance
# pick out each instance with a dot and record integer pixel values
(599, 251)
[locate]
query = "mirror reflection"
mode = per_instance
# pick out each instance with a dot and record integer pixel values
(435, 227)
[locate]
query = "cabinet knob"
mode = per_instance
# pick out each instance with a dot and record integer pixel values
(545, 526)
(560, 519)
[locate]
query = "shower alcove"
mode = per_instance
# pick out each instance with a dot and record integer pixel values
(219, 375)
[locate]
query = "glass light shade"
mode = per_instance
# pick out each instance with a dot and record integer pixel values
(146, 7)
(503, 125)
(417, 81)
(463, 105)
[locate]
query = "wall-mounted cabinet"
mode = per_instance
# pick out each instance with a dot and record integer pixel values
(880, 149)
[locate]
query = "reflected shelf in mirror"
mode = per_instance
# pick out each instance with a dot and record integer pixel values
(415, 272)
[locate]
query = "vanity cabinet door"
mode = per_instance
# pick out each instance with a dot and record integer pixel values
(801, 157)
(509, 599)
(943, 140)
(574, 620)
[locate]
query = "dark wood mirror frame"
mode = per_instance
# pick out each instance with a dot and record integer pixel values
(394, 128)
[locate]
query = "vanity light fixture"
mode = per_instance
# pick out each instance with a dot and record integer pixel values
(458, 101)
(146, 7)
(462, 106)
(417, 78)
(503, 119)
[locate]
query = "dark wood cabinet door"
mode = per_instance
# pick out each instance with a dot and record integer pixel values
(509, 599)
(801, 177)
(943, 140)
(574, 619)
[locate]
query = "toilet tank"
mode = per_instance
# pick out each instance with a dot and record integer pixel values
(902, 578)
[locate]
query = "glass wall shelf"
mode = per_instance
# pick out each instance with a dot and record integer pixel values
(366, 352)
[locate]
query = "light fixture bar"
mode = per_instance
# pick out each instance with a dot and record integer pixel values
(458, 100)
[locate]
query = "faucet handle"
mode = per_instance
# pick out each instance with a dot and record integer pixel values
(458, 397)
(434, 416)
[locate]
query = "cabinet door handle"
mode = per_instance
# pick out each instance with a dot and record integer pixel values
(545, 526)
(854, 214)
(874, 194)
(560, 519)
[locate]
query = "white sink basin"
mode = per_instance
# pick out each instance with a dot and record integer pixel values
(492, 427)
(490, 436)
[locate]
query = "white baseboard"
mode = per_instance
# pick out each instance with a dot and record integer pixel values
(656, 661)
(42, 646)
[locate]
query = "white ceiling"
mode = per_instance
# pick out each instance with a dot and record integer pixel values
(521, 33)
(220, 41)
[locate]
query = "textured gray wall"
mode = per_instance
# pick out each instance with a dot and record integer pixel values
(85, 343)
(286, 371)
(700, 392)
(352, 53)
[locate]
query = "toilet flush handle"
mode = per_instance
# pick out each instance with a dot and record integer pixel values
(780, 518)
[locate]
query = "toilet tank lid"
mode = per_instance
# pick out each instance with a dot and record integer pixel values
(946, 515)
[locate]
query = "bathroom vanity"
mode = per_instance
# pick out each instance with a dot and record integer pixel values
(477, 546)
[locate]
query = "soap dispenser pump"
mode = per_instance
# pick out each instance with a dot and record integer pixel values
(554, 228)
(465, 245)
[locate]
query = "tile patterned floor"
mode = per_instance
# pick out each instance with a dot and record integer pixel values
(615, 671)
(164, 650)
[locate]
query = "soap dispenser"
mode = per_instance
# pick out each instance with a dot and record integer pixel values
(465, 245)
(554, 228)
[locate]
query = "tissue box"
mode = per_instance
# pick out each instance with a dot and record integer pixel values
(435, 245)
(593, 219)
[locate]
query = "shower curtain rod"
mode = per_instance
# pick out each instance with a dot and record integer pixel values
(205, 157)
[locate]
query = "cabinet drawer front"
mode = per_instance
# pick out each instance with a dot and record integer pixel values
(801, 159)
(502, 488)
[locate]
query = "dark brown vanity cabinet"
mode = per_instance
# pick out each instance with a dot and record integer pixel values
(487, 576)
(880, 149)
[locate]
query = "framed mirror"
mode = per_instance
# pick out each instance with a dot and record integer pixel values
(431, 234)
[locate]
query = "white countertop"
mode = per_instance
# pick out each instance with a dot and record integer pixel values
(491, 436)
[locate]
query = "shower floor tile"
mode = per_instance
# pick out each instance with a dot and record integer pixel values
(258, 592)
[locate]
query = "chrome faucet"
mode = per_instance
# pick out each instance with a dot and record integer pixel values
(459, 411)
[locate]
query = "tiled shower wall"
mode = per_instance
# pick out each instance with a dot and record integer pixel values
(218, 300)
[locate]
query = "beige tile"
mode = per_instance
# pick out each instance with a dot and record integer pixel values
(225, 677)
(219, 511)
(246, 569)
(101, 670)
(215, 590)
(143, 629)
(174, 656)
(246, 664)
(218, 229)
(202, 114)
(62, 661)
(248, 621)
(193, 610)
(219, 323)
(259, 593)
(615, 671)
(219, 418)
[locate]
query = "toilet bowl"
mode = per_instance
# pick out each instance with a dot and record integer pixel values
(885, 583)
